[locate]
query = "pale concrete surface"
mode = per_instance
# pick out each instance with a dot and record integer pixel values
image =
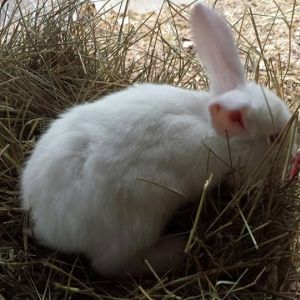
(141, 6)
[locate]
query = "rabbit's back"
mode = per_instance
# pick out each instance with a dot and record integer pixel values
(101, 168)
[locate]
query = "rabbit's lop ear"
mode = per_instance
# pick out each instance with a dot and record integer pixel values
(215, 48)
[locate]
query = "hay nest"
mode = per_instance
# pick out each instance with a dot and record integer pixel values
(243, 243)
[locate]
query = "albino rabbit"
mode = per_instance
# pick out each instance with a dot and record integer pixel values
(82, 182)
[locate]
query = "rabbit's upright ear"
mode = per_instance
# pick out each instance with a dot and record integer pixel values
(215, 48)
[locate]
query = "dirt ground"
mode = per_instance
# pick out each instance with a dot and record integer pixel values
(275, 38)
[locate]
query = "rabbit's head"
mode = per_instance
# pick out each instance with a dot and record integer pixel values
(239, 110)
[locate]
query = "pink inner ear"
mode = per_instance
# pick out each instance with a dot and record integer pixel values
(236, 116)
(230, 121)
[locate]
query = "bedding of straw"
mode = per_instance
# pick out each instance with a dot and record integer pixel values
(243, 243)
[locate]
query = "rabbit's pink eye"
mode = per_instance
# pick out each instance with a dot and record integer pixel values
(273, 137)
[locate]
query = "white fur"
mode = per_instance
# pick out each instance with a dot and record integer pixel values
(88, 183)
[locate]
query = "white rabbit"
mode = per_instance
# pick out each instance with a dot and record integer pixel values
(88, 185)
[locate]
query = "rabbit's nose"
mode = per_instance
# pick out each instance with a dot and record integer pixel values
(295, 165)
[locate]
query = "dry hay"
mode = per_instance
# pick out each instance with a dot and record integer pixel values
(244, 243)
